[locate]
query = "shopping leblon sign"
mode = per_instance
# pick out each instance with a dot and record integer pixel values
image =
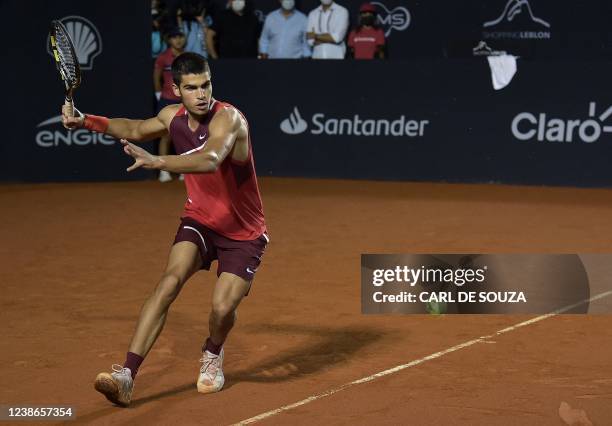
(517, 20)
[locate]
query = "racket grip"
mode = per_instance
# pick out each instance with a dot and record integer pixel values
(69, 106)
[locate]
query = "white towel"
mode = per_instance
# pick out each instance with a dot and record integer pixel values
(503, 68)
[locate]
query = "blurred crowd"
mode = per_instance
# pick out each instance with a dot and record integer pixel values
(234, 29)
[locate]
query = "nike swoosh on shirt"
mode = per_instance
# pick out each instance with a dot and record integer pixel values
(202, 136)
(251, 272)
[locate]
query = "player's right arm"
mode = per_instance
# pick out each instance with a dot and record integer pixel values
(136, 130)
(123, 128)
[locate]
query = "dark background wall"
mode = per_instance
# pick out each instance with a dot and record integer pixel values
(455, 126)
(119, 84)
(467, 126)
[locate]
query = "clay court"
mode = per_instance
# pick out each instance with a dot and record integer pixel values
(79, 259)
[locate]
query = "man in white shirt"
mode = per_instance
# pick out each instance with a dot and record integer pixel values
(327, 27)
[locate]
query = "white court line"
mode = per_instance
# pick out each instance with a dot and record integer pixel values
(455, 348)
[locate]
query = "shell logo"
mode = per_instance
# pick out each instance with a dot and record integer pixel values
(86, 38)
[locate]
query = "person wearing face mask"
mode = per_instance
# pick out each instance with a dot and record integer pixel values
(367, 41)
(284, 34)
(193, 19)
(234, 32)
(327, 27)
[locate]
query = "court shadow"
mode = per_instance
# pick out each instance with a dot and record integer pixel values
(187, 387)
(95, 415)
(330, 347)
(326, 349)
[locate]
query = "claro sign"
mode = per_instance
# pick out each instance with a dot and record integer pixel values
(542, 127)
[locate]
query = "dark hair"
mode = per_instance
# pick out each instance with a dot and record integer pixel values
(192, 8)
(188, 63)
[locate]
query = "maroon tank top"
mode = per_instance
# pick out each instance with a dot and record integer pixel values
(228, 200)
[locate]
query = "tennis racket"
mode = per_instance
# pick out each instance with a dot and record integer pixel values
(66, 61)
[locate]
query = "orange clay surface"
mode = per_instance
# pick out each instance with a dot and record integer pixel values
(78, 260)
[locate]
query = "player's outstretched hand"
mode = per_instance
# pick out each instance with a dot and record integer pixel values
(71, 122)
(141, 157)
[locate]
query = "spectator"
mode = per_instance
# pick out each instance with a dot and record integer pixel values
(193, 21)
(158, 45)
(156, 7)
(160, 22)
(172, 7)
(284, 34)
(162, 80)
(327, 26)
(367, 41)
(165, 17)
(234, 32)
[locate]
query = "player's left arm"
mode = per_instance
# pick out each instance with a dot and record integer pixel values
(223, 130)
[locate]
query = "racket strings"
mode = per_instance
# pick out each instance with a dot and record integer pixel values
(68, 61)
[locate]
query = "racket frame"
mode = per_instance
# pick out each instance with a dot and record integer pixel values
(70, 88)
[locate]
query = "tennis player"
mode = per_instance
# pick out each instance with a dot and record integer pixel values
(223, 217)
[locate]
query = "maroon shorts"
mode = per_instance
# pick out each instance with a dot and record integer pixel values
(240, 258)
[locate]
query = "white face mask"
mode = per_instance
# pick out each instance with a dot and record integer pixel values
(288, 4)
(326, 2)
(238, 5)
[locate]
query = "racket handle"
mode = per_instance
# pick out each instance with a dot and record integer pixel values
(69, 105)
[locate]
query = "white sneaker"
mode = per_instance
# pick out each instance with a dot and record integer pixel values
(181, 177)
(117, 386)
(211, 377)
(164, 176)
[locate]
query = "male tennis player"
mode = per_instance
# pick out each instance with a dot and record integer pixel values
(223, 217)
